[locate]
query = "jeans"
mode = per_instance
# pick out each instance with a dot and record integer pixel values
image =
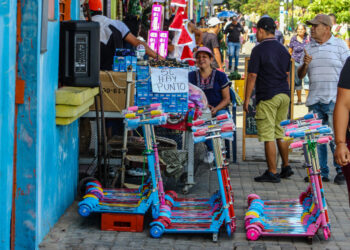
(325, 112)
(209, 143)
(233, 51)
(297, 81)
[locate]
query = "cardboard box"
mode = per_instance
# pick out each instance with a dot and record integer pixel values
(114, 98)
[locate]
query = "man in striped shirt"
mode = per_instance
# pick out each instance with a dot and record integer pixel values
(323, 59)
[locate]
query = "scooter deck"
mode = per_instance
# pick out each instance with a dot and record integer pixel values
(283, 218)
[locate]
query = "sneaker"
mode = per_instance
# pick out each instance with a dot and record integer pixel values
(339, 179)
(324, 179)
(286, 172)
(268, 177)
(209, 157)
(236, 69)
(229, 67)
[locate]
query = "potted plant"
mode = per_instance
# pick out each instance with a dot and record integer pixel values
(238, 83)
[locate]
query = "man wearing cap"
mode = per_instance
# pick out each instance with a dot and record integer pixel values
(113, 33)
(210, 40)
(234, 31)
(322, 60)
(268, 72)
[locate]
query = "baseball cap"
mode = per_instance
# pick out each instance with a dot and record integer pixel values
(321, 19)
(95, 5)
(203, 49)
(266, 23)
(213, 21)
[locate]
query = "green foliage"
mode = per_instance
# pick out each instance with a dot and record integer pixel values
(234, 4)
(302, 3)
(341, 9)
(262, 7)
(235, 76)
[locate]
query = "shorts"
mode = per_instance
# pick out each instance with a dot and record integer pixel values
(269, 115)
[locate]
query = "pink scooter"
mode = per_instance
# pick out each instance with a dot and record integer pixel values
(301, 217)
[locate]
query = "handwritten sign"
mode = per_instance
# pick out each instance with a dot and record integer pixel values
(169, 80)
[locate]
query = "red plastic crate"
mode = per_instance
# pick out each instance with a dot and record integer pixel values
(122, 222)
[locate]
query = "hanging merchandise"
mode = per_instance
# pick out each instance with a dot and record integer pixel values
(184, 12)
(180, 3)
(163, 43)
(185, 38)
(177, 23)
(157, 17)
(187, 55)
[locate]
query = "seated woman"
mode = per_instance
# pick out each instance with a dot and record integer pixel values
(214, 84)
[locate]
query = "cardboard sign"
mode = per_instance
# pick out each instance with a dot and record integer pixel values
(169, 80)
(163, 43)
(153, 40)
(156, 17)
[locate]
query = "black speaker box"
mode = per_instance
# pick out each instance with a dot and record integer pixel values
(79, 54)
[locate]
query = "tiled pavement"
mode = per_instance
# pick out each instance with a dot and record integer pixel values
(74, 232)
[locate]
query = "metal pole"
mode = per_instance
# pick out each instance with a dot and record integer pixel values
(292, 15)
(287, 15)
(129, 82)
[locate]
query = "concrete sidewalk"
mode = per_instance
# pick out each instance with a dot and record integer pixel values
(74, 232)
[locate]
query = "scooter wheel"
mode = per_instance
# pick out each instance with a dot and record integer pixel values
(233, 225)
(172, 194)
(82, 184)
(326, 233)
(228, 229)
(156, 231)
(253, 234)
(84, 210)
(252, 197)
(302, 197)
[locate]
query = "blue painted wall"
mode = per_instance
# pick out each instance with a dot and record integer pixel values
(47, 165)
(7, 105)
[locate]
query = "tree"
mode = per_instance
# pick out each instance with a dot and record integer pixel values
(262, 7)
(302, 3)
(234, 4)
(340, 8)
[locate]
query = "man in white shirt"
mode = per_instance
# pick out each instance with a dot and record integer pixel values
(323, 60)
(113, 33)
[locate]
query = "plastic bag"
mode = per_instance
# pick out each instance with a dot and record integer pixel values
(197, 96)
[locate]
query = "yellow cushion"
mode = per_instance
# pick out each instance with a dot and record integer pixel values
(72, 111)
(69, 120)
(74, 95)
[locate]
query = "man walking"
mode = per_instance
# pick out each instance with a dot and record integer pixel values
(210, 40)
(268, 71)
(234, 31)
(323, 60)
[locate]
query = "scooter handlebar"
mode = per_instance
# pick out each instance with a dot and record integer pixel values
(297, 144)
(199, 139)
